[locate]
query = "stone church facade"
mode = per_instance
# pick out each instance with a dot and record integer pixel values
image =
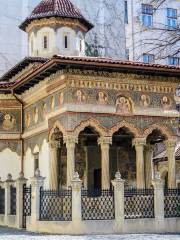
(62, 112)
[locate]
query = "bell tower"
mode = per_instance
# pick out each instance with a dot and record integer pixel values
(56, 27)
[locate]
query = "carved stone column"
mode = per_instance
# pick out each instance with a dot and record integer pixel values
(54, 145)
(70, 145)
(139, 144)
(170, 147)
(105, 142)
(148, 155)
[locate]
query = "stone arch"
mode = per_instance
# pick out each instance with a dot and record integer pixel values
(164, 130)
(136, 131)
(58, 125)
(90, 123)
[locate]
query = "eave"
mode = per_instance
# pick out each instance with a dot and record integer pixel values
(97, 64)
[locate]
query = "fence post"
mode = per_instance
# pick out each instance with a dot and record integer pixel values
(19, 200)
(118, 184)
(158, 185)
(76, 199)
(8, 184)
(36, 183)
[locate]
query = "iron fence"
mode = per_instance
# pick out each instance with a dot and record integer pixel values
(55, 205)
(171, 203)
(139, 203)
(2, 200)
(13, 200)
(97, 204)
(26, 203)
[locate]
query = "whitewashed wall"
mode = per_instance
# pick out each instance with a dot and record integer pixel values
(10, 162)
(44, 158)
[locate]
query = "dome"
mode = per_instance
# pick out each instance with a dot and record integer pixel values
(55, 8)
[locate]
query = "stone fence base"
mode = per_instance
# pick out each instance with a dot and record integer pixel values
(171, 225)
(77, 211)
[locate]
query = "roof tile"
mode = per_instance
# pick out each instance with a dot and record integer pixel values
(55, 8)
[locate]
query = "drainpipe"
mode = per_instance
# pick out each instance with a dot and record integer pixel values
(21, 139)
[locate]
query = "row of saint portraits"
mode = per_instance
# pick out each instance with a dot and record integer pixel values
(124, 105)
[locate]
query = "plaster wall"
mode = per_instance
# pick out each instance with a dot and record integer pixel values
(11, 163)
(44, 158)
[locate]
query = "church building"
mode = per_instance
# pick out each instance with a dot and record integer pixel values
(63, 112)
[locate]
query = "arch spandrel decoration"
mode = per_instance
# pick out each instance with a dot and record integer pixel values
(163, 129)
(90, 123)
(136, 131)
(58, 125)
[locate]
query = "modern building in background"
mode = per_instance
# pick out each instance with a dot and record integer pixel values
(73, 126)
(152, 34)
(13, 42)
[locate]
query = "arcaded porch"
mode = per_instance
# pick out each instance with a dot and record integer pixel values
(97, 154)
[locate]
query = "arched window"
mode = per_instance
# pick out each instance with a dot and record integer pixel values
(45, 42)
(65, 41)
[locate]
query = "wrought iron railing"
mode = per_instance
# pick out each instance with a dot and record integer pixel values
(172, 203)
(26, 203)
(13, 200)
(97, 204)
(138, 203)
(55, 205)
(2, 200)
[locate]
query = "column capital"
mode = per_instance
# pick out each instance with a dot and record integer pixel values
(55, 144)
(171, 143)
(139, 142)
(70, 140)
(104, 141)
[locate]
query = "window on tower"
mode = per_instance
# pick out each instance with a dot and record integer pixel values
(45, 42)
(65, 41)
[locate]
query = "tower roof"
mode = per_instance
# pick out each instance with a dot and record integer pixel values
(55, 8)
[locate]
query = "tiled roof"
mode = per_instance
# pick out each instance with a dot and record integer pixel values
(18, 67)
(55, 8)
(116, 61)
(98, 63)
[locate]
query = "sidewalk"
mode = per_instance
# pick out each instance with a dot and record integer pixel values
(13, 234)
